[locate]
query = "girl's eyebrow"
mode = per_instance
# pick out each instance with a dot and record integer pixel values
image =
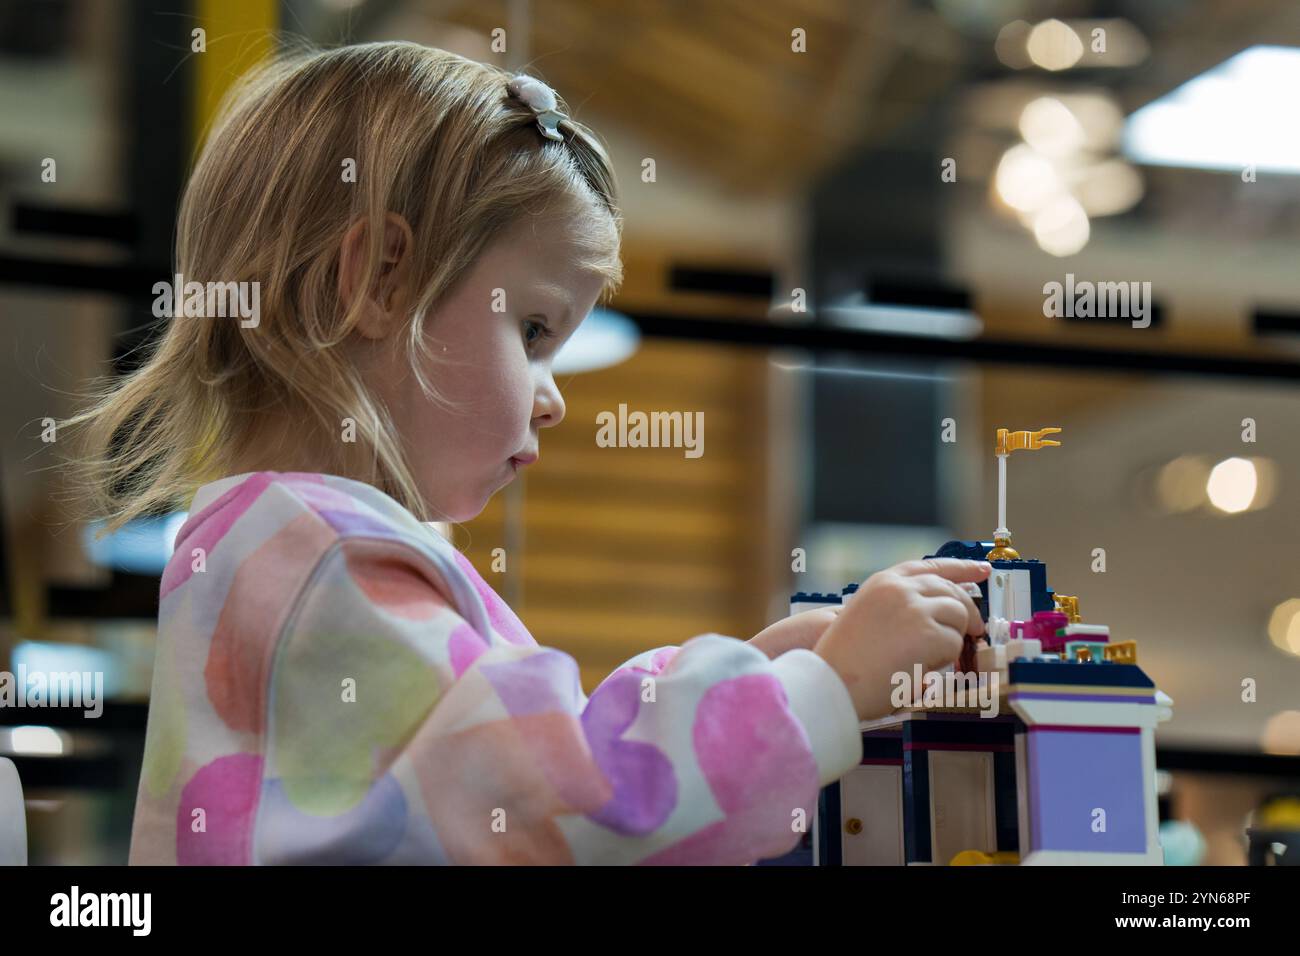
(557, 298)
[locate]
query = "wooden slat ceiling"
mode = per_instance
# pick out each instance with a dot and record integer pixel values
(716, 83)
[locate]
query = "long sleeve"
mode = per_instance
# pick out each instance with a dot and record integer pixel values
(397, 731)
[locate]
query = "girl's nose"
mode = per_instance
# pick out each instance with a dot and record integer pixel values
(548, 408)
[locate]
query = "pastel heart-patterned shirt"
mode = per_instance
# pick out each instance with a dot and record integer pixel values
(335, 683)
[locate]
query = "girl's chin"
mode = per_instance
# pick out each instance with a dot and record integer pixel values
(466, 509)
(458, 512)
(471, 510)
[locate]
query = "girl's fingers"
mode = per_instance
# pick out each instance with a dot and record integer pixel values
(932, 585)
(950, 643)
(949, 612)
(954, 569)
(977, 625)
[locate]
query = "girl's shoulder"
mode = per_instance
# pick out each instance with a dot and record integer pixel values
(278, 527)
(347, 505)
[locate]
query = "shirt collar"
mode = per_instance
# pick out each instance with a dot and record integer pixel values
(213, 490)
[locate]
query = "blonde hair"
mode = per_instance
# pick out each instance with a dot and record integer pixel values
(435, 138)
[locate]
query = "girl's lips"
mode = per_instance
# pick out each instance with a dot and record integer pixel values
(521, 460)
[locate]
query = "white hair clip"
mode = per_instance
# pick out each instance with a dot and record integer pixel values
(540, 98)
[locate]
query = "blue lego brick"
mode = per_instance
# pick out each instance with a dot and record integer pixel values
(882, 746)
(813, 597)
(1006, 814)
(848, 589)
(829, 849)
(917, 847)
(964, 550)
(973, 731)
(1091, 674)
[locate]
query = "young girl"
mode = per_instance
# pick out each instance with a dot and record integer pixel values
(334, 683)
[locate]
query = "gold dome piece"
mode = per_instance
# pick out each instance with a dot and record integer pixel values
(1002, 550)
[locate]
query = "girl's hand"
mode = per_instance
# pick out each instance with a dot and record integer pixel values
(799, 630)
(913, 613)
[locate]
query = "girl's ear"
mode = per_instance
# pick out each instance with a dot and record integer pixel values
(389, 292)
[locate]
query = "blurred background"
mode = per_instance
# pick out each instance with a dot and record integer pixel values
(839, 260)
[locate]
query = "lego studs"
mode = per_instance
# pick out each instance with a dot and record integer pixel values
(1121, 652)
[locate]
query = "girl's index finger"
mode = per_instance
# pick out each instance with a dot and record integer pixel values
(957, 570)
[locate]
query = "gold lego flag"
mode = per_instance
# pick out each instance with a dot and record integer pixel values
(1009, 441)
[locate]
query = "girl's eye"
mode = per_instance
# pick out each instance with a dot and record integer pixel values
(542, 332)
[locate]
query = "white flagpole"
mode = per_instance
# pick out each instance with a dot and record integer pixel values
(1002, 496)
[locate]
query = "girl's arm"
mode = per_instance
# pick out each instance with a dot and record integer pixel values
(801, 630)
(398, 733)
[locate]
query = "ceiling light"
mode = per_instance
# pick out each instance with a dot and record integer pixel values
(1049, 127)
(1232, 484)
(1282, 733)
(1107, 188)
(1230, 117)
(1026, 180)
(1010, 45)
(1061, 227)
(1180, 486)
(1053, 45)
(1284, 626)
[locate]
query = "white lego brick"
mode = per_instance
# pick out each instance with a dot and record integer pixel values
(990, 659)
(1087, 713)
(1009, 595)
(1023, 647)
(1022, 794)
(998, 630)
(1149, 798)
(961, 804)
(802, 606)
(872, 794)
(1164, 706)
(1086, 630)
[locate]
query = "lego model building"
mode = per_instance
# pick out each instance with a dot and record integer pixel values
(1057, 766)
